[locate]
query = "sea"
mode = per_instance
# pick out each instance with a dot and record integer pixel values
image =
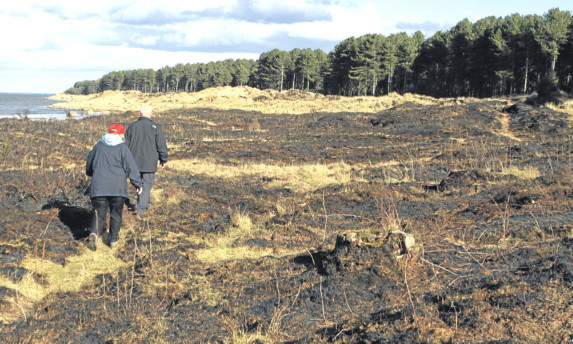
(32, 106)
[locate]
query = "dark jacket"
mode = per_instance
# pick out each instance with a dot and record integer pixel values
(145, 139)
(109, 164)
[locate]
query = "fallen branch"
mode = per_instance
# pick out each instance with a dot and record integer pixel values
(438, 266)
(487, 272)
(408, 289)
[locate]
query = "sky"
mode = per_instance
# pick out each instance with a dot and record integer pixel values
(48, 45)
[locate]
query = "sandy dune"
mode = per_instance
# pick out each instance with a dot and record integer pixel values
(238, 98)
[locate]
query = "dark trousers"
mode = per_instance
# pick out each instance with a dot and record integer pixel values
(102, 206)
(147, 179)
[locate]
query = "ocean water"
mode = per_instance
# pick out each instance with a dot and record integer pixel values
(31, 106)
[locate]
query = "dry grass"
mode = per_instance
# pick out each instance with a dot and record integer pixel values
(566, 106)
(175, 262)
(243, 98)
(398, 171)
(526, 172)
(230, 245)
(51, 277)
(224, 251)
(225, 247)
(505, 127)
(300, 178)
(169, 196)
(242, 221)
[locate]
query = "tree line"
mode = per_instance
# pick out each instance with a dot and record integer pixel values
(492, 57)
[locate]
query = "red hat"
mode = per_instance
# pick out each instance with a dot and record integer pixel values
(116, 129)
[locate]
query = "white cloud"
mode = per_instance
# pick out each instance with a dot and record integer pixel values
(278, 5)
(64, 39)
(50, 44)
(145, 40)
(221, 32)
(346, 22)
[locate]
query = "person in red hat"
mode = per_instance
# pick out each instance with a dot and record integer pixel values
(109, 164)
(117, 129)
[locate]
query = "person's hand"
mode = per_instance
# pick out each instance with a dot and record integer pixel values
(162, 165)
(139, 190)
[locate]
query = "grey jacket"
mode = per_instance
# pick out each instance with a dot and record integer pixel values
(109, 164)
(145, 139)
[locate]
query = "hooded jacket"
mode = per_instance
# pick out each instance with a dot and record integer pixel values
(145, 139)
(109, 164)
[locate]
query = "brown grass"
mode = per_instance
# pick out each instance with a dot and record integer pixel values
(177, 270)
(566, 106)
(300, 177)
(243, 98)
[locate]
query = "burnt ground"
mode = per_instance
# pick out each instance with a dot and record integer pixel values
(486, 190)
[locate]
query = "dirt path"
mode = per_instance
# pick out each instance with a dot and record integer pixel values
(505, 127)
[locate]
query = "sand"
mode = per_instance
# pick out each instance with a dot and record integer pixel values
(238, 98)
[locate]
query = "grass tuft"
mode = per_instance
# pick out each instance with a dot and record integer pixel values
(300, 178)
(51, 277)
(527, 172)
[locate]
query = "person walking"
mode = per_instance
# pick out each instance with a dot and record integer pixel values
(146, 142)
(109, 164)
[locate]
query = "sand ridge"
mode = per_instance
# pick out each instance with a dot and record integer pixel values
(237, 98)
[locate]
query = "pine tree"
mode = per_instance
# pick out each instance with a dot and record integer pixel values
(551, 33)
(390, 53)
(271, 69)
(408, 51)
(430, 65)
(366, 65)
(338, 79)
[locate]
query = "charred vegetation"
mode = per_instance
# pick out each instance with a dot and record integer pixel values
(419, 223)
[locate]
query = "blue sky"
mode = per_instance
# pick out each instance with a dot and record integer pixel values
(48, 45)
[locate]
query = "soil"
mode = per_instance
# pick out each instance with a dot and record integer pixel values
(441, 222)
